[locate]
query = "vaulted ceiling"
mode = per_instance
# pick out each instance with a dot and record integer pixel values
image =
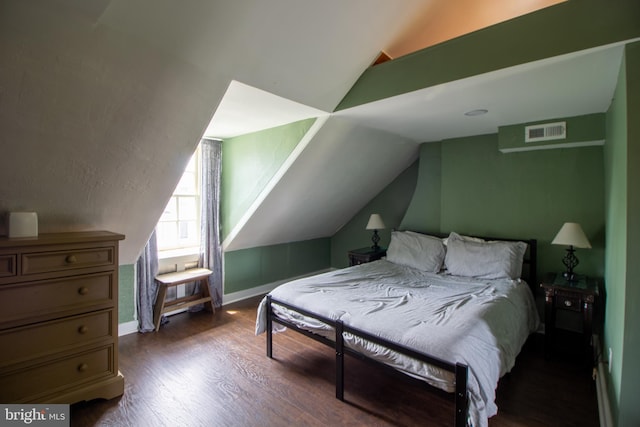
(102, 103)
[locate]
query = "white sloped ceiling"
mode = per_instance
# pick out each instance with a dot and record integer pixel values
(309, 52)
(102, 102)
(342, 167)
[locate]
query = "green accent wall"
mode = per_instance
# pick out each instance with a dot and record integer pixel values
(615, 212)
(580, 129)
(391, 203)
(423, 213)
(622, 272)
(563, 28)
(126, 293)
(248, 268)
(519, 195)
(629, 410)
(525, 194)
(249, 162)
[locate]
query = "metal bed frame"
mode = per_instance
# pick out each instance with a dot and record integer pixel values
(460, 371)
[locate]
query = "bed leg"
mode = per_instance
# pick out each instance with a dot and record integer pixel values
(339, 360)
(461, 395)
(269, 329)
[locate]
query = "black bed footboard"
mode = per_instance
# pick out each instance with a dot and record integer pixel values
(459, 370)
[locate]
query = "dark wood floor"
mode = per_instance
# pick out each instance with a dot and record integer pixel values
(211, 370)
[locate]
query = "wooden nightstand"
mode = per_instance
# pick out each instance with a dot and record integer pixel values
(580, 296)
(363, 255)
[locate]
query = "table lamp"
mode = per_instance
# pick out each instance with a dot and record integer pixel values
(571, 235)
(375, 223)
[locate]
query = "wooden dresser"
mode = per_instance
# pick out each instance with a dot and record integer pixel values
(59, 318)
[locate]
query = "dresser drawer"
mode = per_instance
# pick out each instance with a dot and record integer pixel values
(38, 340)
(46, 299)
(48, 262)
(8, 266)
(27, 385)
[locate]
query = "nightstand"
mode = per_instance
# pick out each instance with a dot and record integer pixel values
(579, 296)
(363, 255)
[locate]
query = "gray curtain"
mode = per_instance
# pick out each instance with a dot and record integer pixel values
(210, 249)
(146, 270)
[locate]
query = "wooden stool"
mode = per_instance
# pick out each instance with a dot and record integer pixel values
(174, 279)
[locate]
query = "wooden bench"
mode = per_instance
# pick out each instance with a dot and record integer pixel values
(178, 278)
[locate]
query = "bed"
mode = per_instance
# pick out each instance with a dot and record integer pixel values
(451, 311)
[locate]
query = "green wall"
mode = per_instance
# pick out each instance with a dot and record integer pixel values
(522, 195)
(423, 213)
(622, 274)
(248, 268)
(615, 208)
(629, 410)
(391, 203)
(525, 194)
(566, 27)
(126, 293)
(249, 162)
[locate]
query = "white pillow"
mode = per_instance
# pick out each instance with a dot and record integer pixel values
(463, 237)
(486, 260)
(416, 250)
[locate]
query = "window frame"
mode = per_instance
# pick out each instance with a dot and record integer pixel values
(193, 247)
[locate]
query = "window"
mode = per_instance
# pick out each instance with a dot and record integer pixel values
(179, 226)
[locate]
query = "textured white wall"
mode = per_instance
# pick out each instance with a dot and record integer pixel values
(96, 126)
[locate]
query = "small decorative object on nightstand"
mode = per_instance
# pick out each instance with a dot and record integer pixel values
(571, 235)
(364, 255)
(375, 223)
(578, 295)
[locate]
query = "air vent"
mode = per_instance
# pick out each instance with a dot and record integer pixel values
(545, 132)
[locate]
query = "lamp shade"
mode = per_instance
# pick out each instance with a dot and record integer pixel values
(375, 222)
(571, 234)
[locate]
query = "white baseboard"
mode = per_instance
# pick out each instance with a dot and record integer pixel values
(600, 372)
(132, 326)
(248, 293)
(261, 290)
(127, 328)
(604, 409)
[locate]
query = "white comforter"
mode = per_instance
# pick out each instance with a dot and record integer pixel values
(481, 323)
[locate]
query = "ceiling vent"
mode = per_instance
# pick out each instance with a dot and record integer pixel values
(545, 132)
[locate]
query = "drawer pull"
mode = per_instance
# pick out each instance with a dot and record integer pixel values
(83, 329)
(83, 367)
(567, 303)
(71, 259)
(83, 290)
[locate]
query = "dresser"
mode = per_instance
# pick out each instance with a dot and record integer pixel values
(59, 318)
